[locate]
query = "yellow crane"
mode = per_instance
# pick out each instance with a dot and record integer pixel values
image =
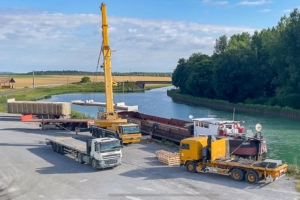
(109, 123)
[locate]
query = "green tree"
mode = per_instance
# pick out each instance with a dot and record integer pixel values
(180, 75)
(237, 75)
(85, 79)
(221, 44)
(199, 82)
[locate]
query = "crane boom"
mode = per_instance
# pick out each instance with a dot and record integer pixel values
(110, 113)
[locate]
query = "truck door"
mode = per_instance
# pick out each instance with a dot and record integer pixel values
(95, 150)
(185, 151)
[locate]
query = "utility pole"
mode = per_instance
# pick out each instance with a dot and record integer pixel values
(33, 78)
(130, 76)
(123, 88)
(67, 79)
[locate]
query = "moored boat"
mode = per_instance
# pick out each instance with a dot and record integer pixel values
(245, 144)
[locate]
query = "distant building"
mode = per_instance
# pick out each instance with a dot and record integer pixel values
(7, 83)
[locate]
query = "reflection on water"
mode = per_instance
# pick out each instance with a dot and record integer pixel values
(283, 135)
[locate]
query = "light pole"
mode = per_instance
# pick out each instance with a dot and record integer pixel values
(33, 78)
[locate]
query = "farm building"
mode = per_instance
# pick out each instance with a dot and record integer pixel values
(7, 83)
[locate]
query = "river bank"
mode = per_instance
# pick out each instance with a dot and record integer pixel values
(225, 105)
(45, 92)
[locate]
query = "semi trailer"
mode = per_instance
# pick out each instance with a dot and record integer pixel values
(208, 154)
(69, 124)
(100, 153)
(42, 110)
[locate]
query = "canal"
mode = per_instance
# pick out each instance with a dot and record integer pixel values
(283, 135)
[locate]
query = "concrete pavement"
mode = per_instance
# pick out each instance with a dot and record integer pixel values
(29, 169)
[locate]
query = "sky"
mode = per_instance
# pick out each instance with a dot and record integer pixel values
(145, 35)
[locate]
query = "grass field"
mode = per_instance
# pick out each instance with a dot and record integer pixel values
(23, 89)
(23, 81)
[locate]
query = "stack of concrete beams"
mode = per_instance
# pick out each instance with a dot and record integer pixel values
(39, 108)
(167, 157)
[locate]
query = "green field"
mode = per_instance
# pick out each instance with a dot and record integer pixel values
(33, 94)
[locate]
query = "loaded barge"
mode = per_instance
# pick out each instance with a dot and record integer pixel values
(245, 144)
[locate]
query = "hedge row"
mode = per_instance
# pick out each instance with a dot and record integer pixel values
(225, 105)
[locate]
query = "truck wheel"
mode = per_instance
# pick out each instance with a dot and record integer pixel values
(251, 177)
(191, 167)
(53, 146)
(94, 163)
(80, 158)
(69, 127)
(237, 174)
(57, 148)
(62, 150)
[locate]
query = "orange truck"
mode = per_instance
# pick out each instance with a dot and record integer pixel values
(207, 154)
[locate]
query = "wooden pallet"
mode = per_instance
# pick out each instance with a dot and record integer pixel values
(168, 158)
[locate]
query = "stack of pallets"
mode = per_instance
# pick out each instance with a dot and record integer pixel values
(167, 157)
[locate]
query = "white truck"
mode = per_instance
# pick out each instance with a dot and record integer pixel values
(100, 153)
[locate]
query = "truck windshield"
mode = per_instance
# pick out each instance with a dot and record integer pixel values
(131, 129)
(110, 146)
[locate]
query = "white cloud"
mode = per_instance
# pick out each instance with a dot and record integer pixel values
(254, 3)
(265, 10)
(287, 10)
(72, 42)
(220, 2)
(214, 2)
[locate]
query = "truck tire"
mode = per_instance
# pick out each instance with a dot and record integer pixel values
(53, 146)
(251, 177)
(80, 158)
(94, 164)
(71, 127)
(57, 148)
(62, 150)
(237, 174)
(191, 167)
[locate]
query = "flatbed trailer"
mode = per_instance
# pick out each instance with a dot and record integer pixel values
(100, 153)
(70, 124)
(251, 171)
(206, 154)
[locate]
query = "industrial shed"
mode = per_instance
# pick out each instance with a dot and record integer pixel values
(7, 83)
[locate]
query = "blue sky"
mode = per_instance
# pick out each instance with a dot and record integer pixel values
(148, 35)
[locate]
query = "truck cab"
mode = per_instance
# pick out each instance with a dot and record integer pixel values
(126, 132)
(106, 152)
(129, 132)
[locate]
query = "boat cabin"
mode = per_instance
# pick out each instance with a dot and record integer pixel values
(217, 127)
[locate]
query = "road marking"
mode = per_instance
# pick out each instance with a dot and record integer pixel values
(41, 196)
(11, 189)
(132, 198)
(84, 180)
(144, 188)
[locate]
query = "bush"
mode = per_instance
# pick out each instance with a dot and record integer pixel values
(293, 170)
(78, 115)
(85, 79)
(48, 96)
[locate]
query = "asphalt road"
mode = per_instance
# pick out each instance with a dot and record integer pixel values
(29, 169)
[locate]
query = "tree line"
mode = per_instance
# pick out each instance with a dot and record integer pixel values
(263, 68)
(75, 72)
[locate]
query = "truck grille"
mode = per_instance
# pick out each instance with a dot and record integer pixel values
(111, 156)
(108, 162)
